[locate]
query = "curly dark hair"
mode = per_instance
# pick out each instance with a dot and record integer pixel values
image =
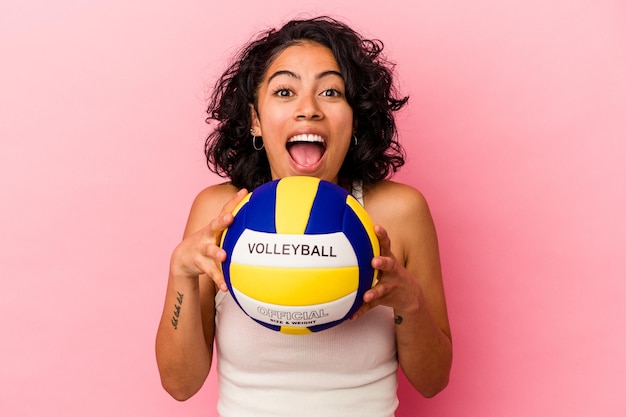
(370, 91)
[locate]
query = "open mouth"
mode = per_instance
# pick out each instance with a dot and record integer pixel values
(306, 150)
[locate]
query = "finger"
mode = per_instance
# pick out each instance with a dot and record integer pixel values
(230, 206)
(214, 272)
(215, 252)
(214, 230)
(384, 263)
(203, 257)
(360, 312)
(370, 301)
(383, 239)
(207, 263)
(225, 218)
(221, 283)
(375, 293)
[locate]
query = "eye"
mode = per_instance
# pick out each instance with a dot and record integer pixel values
(283, 92)
(331, 92)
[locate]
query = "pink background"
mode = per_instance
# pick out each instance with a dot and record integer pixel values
(516, 133)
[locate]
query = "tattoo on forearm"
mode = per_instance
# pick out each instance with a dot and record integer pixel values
(177, 307)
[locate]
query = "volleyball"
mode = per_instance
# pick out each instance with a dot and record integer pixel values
(299, 255)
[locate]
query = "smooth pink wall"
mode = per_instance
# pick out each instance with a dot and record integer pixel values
(515, 132)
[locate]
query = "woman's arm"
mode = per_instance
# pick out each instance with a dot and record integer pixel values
(184, 342)
(410, 282)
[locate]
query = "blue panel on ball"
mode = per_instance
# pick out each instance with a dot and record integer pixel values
(269, 326)
(327, 211)
(231, 237)
(357, 235)
(263, 202)
(321, 327)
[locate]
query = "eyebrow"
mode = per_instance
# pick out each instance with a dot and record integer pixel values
(296, 76)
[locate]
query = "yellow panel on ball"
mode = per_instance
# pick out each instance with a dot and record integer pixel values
(295, 287)
(294, 200)
(295, 330)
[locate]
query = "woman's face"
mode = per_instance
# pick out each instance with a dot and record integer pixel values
(303, 116)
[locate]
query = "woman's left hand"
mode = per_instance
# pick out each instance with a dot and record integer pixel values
(396, 287)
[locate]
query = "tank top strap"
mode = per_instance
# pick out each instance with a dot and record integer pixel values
(357, 191)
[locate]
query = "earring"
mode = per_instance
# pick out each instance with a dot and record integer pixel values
(254, 141)
(355, 140)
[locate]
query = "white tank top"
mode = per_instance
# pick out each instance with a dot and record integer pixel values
(349, 370)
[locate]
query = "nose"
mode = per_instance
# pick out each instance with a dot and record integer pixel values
(308, 108)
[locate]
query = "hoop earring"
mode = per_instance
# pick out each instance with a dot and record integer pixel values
(355, 140)
(254, 141)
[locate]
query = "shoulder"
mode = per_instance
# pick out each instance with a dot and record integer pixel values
(215, 195)
(403, 211)
(392, 198)
(208, 204)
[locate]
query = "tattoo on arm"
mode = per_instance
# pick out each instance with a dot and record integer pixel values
(177, 307)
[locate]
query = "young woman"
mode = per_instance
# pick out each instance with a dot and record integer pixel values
(311, 98)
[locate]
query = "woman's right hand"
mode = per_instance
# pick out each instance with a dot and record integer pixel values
(200, 252)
